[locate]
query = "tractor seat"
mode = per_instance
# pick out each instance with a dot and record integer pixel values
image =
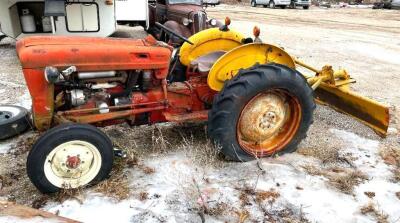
(205, 62)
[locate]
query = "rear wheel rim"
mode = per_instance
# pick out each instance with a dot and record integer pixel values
(268, 122)
(72, 164)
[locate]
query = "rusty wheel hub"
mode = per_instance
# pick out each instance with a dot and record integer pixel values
(73, 162)
(268, 122)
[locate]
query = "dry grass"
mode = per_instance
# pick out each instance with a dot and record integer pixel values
(269, 196)
(398, 195)
(345, 182)
(203, 154)
(143, 196)
(369, 194)
(117, 185)
(327, 155)
(266, 203)
(219, 209)
(343, 179)
(391, 156)
(377, 214)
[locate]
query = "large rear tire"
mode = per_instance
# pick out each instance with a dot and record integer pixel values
(69, 156)
(264, 110)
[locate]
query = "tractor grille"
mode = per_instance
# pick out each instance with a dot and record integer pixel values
(199, 21)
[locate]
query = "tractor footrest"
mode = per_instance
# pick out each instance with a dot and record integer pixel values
(187, 117)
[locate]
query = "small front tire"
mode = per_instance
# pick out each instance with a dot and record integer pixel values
(69, 156)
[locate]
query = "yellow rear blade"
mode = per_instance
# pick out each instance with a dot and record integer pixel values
(371, 113)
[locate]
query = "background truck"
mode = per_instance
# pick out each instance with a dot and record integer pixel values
(302, 3)
(20, 18)
(185, 17)
(270, 3)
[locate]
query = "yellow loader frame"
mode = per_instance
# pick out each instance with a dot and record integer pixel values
(330, 87)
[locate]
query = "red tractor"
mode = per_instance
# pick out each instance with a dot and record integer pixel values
(254, 100)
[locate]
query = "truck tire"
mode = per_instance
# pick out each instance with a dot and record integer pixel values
(13, 120)
(282, 6)
(264, 110)
(306, 7)
(271, 4)
(69, 156)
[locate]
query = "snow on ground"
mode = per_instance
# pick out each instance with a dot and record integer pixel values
(31, 220)
(172, 195)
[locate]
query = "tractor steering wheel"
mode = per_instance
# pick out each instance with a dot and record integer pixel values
(169, 31)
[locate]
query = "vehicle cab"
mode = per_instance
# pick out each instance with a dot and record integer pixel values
(185, 17)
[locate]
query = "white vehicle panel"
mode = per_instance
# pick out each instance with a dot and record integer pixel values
(131, 10)
(80, 19)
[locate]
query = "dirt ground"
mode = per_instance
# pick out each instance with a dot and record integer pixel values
(364, 41)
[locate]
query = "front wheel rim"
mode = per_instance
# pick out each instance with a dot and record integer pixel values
(72, 164)
(268, 122)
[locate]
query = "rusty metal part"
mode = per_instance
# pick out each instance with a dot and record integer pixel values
(121, 79)
(268, 122)
(27, 213)
(369, 112)
(73, 162)
(188, 117)
(332, 88)
(94, 118)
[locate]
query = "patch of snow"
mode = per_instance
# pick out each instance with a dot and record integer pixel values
(8, 219)
(172, 194)
(5, 146)
(368, 161)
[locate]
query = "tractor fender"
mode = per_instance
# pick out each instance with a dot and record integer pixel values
(245, 56)
(207, 41)
(179, 29)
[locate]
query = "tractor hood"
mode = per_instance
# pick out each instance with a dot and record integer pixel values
(89, 53)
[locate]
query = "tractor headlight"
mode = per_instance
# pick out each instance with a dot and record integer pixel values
(213, 22)
(186, 21)
(51, 74)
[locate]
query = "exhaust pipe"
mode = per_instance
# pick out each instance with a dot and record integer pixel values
(96, 74)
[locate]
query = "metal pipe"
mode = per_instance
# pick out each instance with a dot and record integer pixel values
(306, 66)
(316, 84)
(86, 110)
(96, 74)
(112, 115)
(53, 25)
